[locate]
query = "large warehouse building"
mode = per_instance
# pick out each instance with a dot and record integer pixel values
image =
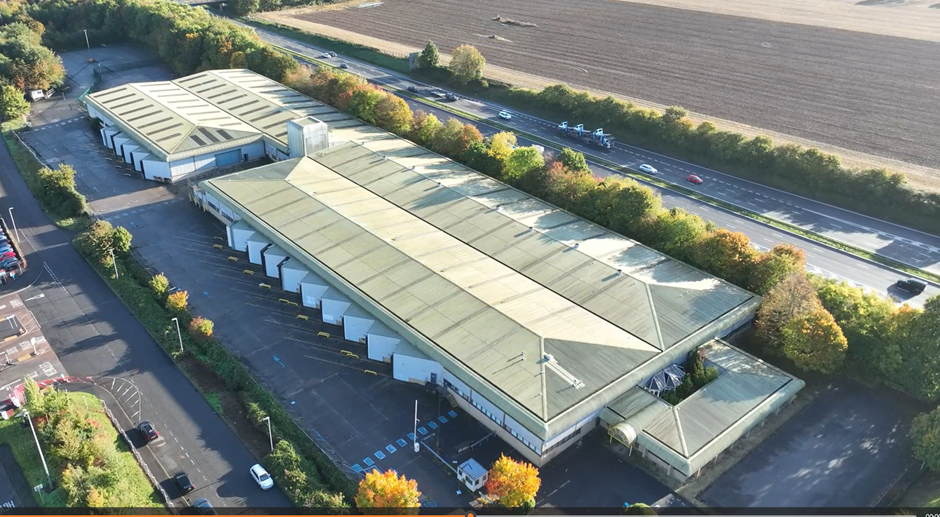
(538, 323)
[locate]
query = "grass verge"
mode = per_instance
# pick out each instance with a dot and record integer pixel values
(497, 94)
(24, 450)
(924, 493)
(225, 383)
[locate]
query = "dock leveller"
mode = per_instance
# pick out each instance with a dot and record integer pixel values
(217, 246)
(264, 286)
(324, 334)
(302, 317)
(283, 300)
(233, 259)
(370, 371)
(249, 272)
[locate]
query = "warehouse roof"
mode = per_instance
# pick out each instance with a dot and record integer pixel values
(691, 433)
(205, 112)
(494, 289)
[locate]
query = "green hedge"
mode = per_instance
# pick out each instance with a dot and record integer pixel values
(132, 288)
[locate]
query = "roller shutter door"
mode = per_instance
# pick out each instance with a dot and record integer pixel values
(228, 158)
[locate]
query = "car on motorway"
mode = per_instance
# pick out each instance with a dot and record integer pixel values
(344, 66)
(450, 96)
(649, 169)
(412, 88)
(505, 115)
(183, 482)
(147, 430)
(694, 179)
(204, 507)
(325, 55)
(261, 477)
(911, 285)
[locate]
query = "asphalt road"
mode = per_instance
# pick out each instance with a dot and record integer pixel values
(818, 217)
(94, 335)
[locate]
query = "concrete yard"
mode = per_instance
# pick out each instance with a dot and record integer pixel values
(846, 449)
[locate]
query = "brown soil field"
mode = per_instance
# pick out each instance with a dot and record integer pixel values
(850, 90)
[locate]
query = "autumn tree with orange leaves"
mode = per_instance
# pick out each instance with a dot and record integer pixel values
(387, 490)
(515, 483)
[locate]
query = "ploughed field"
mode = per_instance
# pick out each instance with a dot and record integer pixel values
(874, 94)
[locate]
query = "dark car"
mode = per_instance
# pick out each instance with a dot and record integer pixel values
(147, 431)
(912, 285)
(9, 263)
(344, 66)
(413, 89)
(183, 483)
(450, 96)
(204, 507)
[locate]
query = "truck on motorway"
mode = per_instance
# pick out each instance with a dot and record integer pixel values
(597, 137)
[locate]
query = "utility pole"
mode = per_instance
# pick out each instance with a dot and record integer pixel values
(87, 43)
(180, 336)
(14, 224)
(270, 435)
(43, 458)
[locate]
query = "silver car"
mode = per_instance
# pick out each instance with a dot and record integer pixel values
(649, 169)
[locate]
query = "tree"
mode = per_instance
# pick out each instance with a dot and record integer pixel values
(775, 265)
(429, 57)
(728, 255)
(522, 161)
(917, 332)
(793, 298)
(620, 204)
(815, 342)
(478, 158)
(639, 509)
(121, 241)
(467, 64)
(159, 284)
(177, 301)
(393, 114)
(364, 101)
(200, 329)
(425, 127)
(387, 490)
(452, 139)
(573, 160)
(515, 483)
(925, 435)
(676, 232)
(245, 7)
(35, 402)
(12, 103)
(501, 146)
(27, 65)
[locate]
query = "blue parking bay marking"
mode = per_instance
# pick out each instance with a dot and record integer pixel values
(368, 462)
(357, 468)
(453, 414)
(432, 425)
(390, 448)
(401, 442)
(380, 455)
(411, 436)
(442, 419)
(422, 430)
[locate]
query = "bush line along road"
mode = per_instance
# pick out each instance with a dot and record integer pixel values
(894, 242)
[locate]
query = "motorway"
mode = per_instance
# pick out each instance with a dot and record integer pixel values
(900, 243)
(94, 335)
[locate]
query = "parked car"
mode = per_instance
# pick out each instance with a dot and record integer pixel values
(9, 254)
(649, 169)
(183, 482)
(412, 88)
(344, 66)
(261, 477)
(6, 248)
(148, 431)
(912, 285)
(204, 507)
(694, 179)
(505, 115)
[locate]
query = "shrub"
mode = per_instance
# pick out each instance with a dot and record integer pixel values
(200, 329)
(177, 302)
(159, 285)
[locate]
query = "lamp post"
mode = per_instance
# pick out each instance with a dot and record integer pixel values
(14, 224)
(270, 435)
(178, 333)
(113, 261)
(417, 446)
(41, 457)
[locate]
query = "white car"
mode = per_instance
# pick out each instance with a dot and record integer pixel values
(505, 115)
(261, 477)
(649, 169)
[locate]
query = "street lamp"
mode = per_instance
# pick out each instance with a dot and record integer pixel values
(178, 333)
(417, 446)
(41, 457)
(270, 435)
(115, 264)
(14, 224)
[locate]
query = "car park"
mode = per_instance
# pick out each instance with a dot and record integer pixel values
(183, 482)
(148, 431)
(694, 179)
(204, 507)
(649, 169)
(261, 477)
(505, 115)
(911, 285)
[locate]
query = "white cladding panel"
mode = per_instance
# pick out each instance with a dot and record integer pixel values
(182, 167)
(522, 432)
(357, 327)
(333, 304)
(585, 421)
(312, 289)
(203, 163)
(483, 404)
(106, 135)
(272, 257)
(127, 150)
(154, 169)
(138, 158)
(256, 243)
(414, 369)
(240, 236)
(459, 384)
(291, 275)
(118, 142)
(254, 150)
(381, 347)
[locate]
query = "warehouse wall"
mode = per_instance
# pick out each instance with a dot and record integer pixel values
(256, 245)
(154, 169)
(291, 276)
(126, 151)
(106, 134)
(312, 290)
(356, 328)
(272, 257)
(333, 306)
(94, 113)
(381, 347)
(413, 369)
(239, 238)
